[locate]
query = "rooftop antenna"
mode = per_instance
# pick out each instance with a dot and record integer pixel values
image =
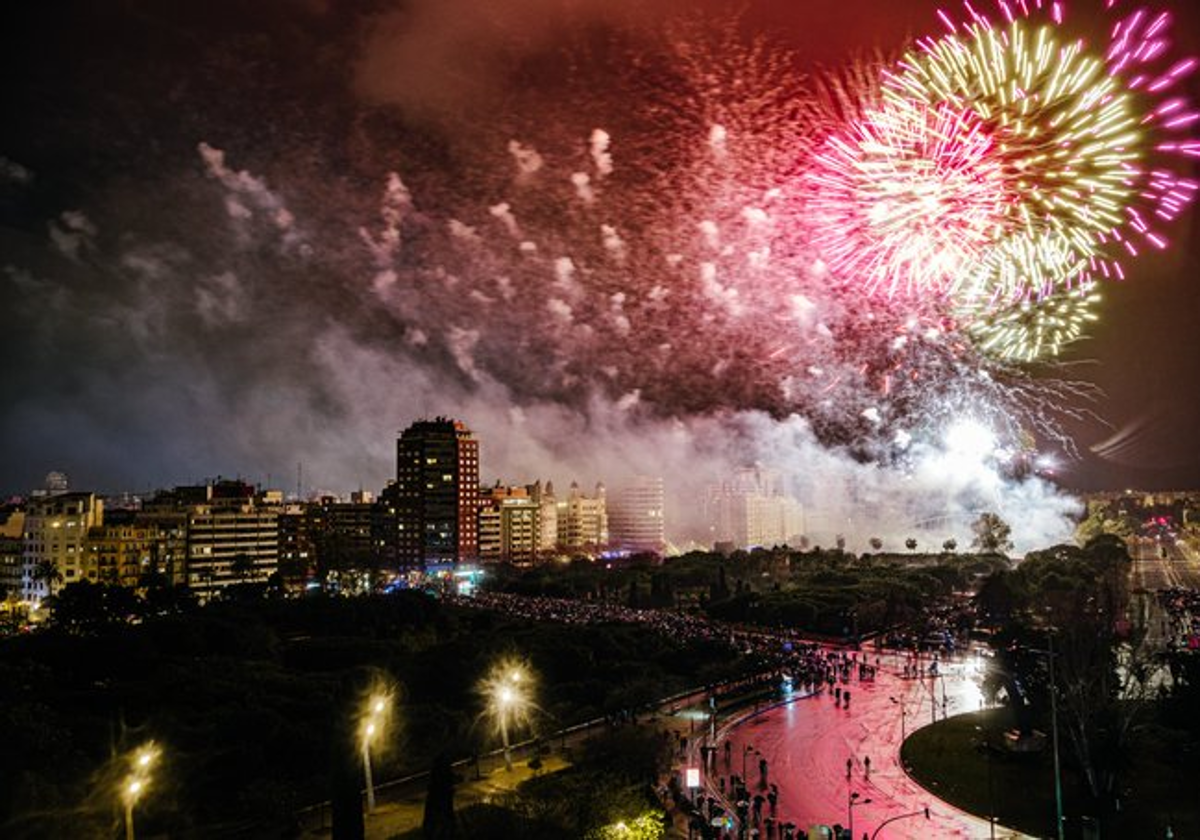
(299, 481)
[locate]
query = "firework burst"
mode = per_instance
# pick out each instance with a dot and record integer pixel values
(908, 198)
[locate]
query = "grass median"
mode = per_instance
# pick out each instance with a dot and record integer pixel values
(962, 761)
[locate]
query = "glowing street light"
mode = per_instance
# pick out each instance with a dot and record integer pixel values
(507, 690)
(374, 721)
(134, 786)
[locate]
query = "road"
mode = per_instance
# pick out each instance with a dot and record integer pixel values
(1167, 565)
(806, 744)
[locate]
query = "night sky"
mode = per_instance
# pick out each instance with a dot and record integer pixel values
(156, 333)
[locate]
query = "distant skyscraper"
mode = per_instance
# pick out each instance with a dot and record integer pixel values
(547, 540)
(635, 520)
(751, 509)
(437, 494)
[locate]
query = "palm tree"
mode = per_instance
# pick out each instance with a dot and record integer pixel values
(46, 571)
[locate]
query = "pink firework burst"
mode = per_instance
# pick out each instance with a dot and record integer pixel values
(906, 197)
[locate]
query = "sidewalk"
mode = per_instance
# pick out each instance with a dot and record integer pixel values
(399, 812)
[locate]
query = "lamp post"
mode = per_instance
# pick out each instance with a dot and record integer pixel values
(133, 790)
(987, 756)
(135, 784)
(903, 714)
(505, 698)
(890, 820)
(851, 802)
(507, 692)
(373, 723)
(1058, 802)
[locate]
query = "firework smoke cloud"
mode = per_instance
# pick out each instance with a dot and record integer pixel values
(680, 257)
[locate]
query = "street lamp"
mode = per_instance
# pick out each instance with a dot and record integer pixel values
(903, 714)
(507, 690)
(987, 755)
(374, 721)
(1058, 798)
(851, 802)
(889, 820)
(135, 784)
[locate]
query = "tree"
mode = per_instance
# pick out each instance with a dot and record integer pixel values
(876, 543)
(950, 545)
(1072, 599)
(85, 606)
(47, 572)
(911, 543)
(438, 822)
(242, 566)
(991, 534)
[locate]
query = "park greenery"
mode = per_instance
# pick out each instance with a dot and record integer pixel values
(1071, 608)
(249, 700)
(829, 593)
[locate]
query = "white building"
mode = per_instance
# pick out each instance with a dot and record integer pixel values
(636, 519)
(751, 509)
(55, 545)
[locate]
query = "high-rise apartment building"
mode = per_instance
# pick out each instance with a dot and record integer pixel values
(543, 497)
(636, 516)
(751, 509)
(232, 536)
(55, 549)
(437, 494)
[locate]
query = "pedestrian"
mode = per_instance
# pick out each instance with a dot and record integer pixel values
(867, 766)
(849, 767)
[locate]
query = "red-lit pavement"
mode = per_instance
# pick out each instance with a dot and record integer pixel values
(806, 744)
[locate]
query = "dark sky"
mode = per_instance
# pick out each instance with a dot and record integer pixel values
(146, 341)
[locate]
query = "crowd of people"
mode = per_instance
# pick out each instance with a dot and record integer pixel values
(675, 625)
(1182, 607)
